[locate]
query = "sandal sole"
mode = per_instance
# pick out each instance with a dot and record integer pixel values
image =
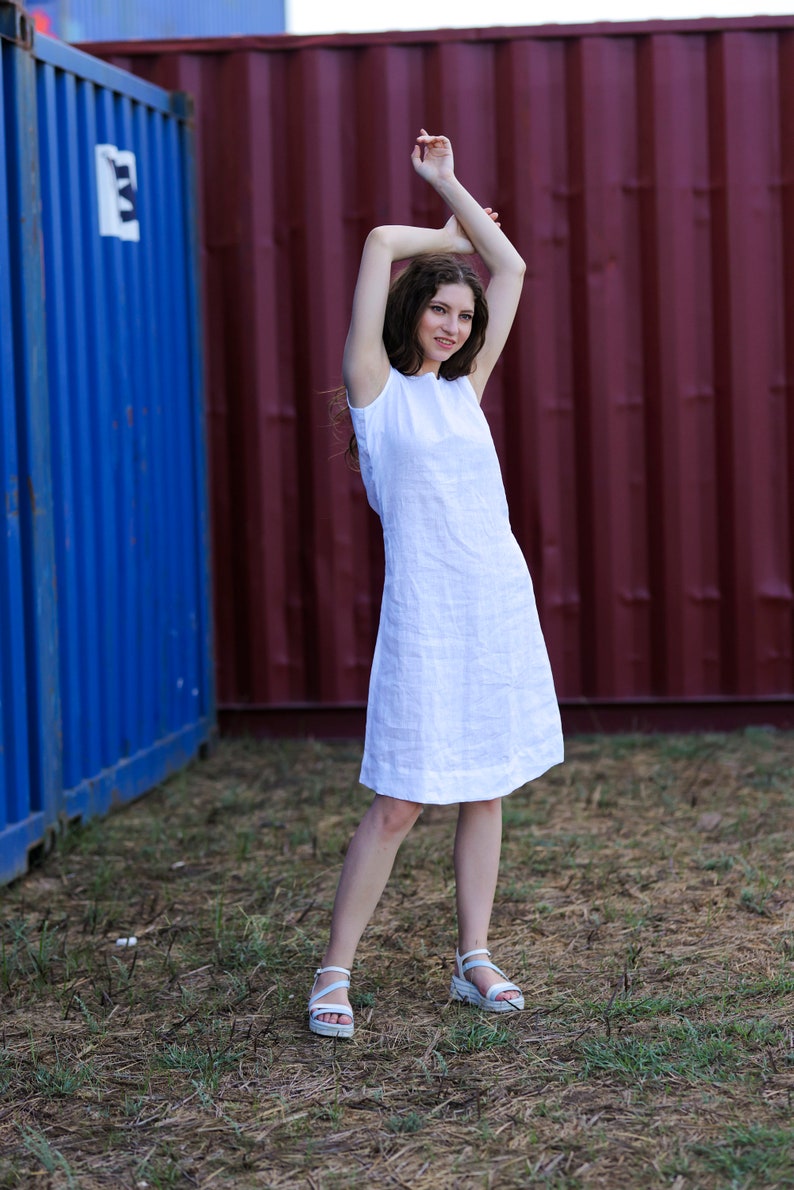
(326, 1029)
(471, 995)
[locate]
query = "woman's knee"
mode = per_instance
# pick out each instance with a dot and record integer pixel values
(395, 816)
(484, 811)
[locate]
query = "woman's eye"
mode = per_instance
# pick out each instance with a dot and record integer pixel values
(466, 317)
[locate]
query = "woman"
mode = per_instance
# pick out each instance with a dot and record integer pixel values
(461, 705)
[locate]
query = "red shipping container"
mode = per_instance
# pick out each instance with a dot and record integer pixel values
(644, 407)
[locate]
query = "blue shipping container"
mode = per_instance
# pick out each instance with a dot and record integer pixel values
(108, 20)
(105, 638)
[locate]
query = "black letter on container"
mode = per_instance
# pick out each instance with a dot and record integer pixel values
(117, 190)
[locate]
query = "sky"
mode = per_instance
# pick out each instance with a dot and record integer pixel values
(353, 16)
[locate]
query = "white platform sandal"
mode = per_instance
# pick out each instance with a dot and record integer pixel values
(464, 990)
(317, 1007)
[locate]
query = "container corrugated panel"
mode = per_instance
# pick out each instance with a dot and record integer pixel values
(105, 560)
(29, 688)
(643, 410)
(21, 818)
(87, 20)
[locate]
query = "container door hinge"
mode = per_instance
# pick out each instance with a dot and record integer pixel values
(15, 25)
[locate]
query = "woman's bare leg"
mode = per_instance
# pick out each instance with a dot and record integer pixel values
(368, 864)
(478, 846)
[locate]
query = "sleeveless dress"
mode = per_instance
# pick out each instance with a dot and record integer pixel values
(461, 699)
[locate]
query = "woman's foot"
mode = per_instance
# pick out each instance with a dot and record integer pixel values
(484, 978)
(480, 982)
(330, 1014)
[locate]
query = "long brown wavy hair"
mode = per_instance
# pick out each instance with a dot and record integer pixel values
(410, 293)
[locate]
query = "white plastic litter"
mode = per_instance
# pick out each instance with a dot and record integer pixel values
(131, 941)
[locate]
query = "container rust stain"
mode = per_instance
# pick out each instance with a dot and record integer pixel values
(642, 410)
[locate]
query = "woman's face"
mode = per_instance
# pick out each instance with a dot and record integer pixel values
(445, 325)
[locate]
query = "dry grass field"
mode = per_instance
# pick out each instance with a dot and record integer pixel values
(646, 906)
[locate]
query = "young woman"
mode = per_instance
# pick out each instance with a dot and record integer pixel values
(461, 704)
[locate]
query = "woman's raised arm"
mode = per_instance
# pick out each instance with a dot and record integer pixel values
(433, 160)
(365, 364)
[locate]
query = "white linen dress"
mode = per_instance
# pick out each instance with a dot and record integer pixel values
(461, 698)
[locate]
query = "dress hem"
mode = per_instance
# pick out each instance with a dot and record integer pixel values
(531, 775)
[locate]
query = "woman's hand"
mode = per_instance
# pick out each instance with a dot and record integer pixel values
(432, 158)
(459, 241)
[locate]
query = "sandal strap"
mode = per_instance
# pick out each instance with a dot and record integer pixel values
(498, 988)
(341, 970)
(491, 966)
(462, 957)
(339, 1009)
(465, 967)
(332, 987)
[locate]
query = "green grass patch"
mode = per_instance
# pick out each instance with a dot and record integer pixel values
(746, 1156)
(706, 1051)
